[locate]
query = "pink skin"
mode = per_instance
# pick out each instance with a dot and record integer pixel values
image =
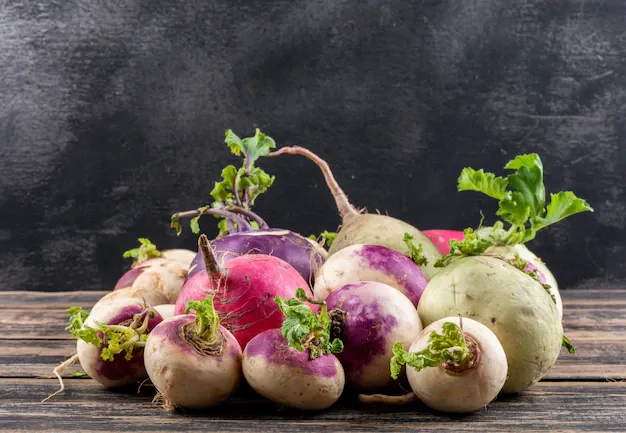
(244, 293)
(441, 238)
(186, 377)
(289, 377)
(118, 372)
(377, 316)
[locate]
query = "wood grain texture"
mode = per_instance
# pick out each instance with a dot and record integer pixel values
(86, 407)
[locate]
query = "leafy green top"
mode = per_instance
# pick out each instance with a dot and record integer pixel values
(522, 199)
(304, 330)
(239, 187)
(415, 253)
(449, 346)
(207, 319)
(146, 250)
(115, 338)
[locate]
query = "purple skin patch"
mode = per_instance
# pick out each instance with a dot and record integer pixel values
(272, 346)
(169, 331)
(290, 247)
(398, 266)
(120, 368)
(366, 328)
(530, 268)
(129, 277)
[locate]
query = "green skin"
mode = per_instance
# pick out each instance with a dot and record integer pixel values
(386, 231)
(513, 305)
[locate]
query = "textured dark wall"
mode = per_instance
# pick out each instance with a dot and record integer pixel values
(112, 115)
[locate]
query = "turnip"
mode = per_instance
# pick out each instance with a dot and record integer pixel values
(503, 294)
(244, 289)
(110, 341)
(165, 310)
(370, 317)
(241, 230)
(442, 238)
(294, 366)
(156, 270)
(455, 365)
(370, 263)
(149, 296)
(192, 360)
(363, 228)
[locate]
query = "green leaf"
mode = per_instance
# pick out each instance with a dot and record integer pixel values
(79, 374)
(207, 319)
(194, 224)
(252, 147)
(471, 245)
(568, 345)
(146, 250)
(478, 180)
(562, 205)
(448, 346)
(327, 236)
(336, 346)
(175, 224)
(77, 327)
(415, 253)
(223, 190)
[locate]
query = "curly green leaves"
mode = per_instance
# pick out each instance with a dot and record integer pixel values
(146, 250)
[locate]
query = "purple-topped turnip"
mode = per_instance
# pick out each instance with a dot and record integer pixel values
(370, 263)
(370, 317)
(295, 365)
(243, 290)
(358, 227)
(241, 230)
(193, 361)
(110, 341)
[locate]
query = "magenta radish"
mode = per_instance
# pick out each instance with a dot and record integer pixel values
(241, 230)
(377, 263)
(295, 366)
(193, 361)
(370, 318)
(441, 238)
(455, 365)
(364, 228)
(243, 290)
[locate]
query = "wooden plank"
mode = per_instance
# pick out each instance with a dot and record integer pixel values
(595, 360)
(87, 407)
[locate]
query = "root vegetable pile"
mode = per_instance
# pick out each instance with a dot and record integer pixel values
(378, 310)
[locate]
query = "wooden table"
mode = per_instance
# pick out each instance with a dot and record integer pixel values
(583, 392)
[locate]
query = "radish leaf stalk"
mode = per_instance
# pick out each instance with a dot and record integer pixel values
(415, 253)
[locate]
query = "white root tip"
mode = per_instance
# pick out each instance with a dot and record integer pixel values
(57, 372)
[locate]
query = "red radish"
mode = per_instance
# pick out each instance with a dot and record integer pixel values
(371, 317)
(441, 238)
(294, 366)
(243, 290)
(363, 228)
(192, 360)
(370, 263)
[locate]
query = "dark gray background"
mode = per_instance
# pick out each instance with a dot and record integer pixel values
(112, 115)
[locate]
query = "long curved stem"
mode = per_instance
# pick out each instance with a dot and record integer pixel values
(242, 223)
(248, 214)
(346, 209)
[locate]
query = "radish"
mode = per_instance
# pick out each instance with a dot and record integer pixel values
(193, 362)
(502, 294)
(165, 310)
(110, 341)
(368, 262)
(295, 365)
(370, 317)
(244, 289)
(241, 230)
(156, 270)
(149, 296)
(364, 228)
(453, 368)
(442, 238)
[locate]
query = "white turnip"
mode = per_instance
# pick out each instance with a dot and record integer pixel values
(295, 366)
(455, 365)
(192, 360)
(363, 228)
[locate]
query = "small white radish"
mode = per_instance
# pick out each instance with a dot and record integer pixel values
(193, 361)
(455, 365)
(149, 296)
(165, 310)
(294, 366)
